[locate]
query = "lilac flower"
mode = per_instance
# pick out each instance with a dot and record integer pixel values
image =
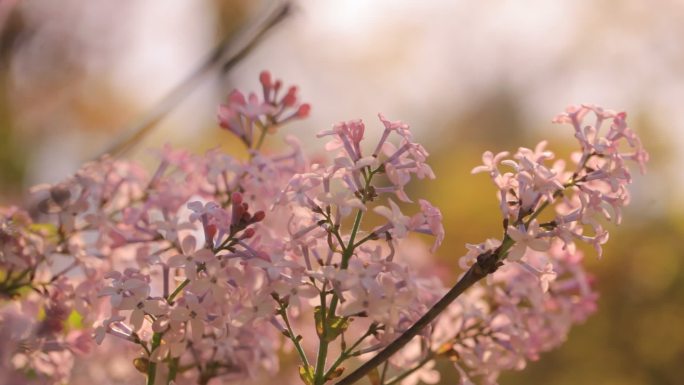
(526, 238)
(241, 116)
(397, 221)
(191, 311)
(127, 290)
(429, 221)
(190, 257)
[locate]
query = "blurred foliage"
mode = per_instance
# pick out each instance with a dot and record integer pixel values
(636, 336)
(12, 158)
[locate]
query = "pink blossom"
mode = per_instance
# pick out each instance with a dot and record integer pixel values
(190, 257)
(490, 163)
(192, 312)
(526, 238)
(398, 222)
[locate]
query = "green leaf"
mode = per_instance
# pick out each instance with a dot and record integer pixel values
(46, 229)
(41, 314)
(318, 317)
(330, 327)
(306, 373)
(336, 326)
(74, 321)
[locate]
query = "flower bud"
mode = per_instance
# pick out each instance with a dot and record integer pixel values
(304, 110)
(265, 79)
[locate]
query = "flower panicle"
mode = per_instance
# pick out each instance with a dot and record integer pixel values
(206, 264)
(250, 116)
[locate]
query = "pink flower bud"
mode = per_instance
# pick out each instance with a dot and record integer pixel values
(249, 233)
(236, 97)
(291, 97)
(265, 79)
(304, 110)
(236, 198)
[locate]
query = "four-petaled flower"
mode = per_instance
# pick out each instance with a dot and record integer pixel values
(191, 259)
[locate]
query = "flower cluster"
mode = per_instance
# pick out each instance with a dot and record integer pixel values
(212, 266)
(172, 263)
(242, 115)
(580, 196)
(528, 306)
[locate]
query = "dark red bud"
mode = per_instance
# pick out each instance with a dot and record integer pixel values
(210, 231)
(258, 216)
(236, 198)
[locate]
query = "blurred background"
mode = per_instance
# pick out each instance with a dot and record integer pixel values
(78, 77)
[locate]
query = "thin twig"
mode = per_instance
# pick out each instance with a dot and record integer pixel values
(248, 39)
(407, 373)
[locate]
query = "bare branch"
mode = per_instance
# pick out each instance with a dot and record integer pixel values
(233, 51)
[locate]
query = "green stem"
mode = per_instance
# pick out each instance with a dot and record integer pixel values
(21, 275)
(349, 250)
(366, 239)
(13, 283)
(178, 290)
(334, 231)
(260, 141)
(322, 343)
(173, 370)
(543, 206)
(152, 367)
(10, 291)
(319, 378)
(347, 353)
(295, 339)
(536, 214)
(319, 374)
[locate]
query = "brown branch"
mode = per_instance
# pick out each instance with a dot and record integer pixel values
(245, 43)
(487, 263)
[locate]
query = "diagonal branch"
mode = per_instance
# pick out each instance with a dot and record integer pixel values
(248, 39)
(486, 264)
